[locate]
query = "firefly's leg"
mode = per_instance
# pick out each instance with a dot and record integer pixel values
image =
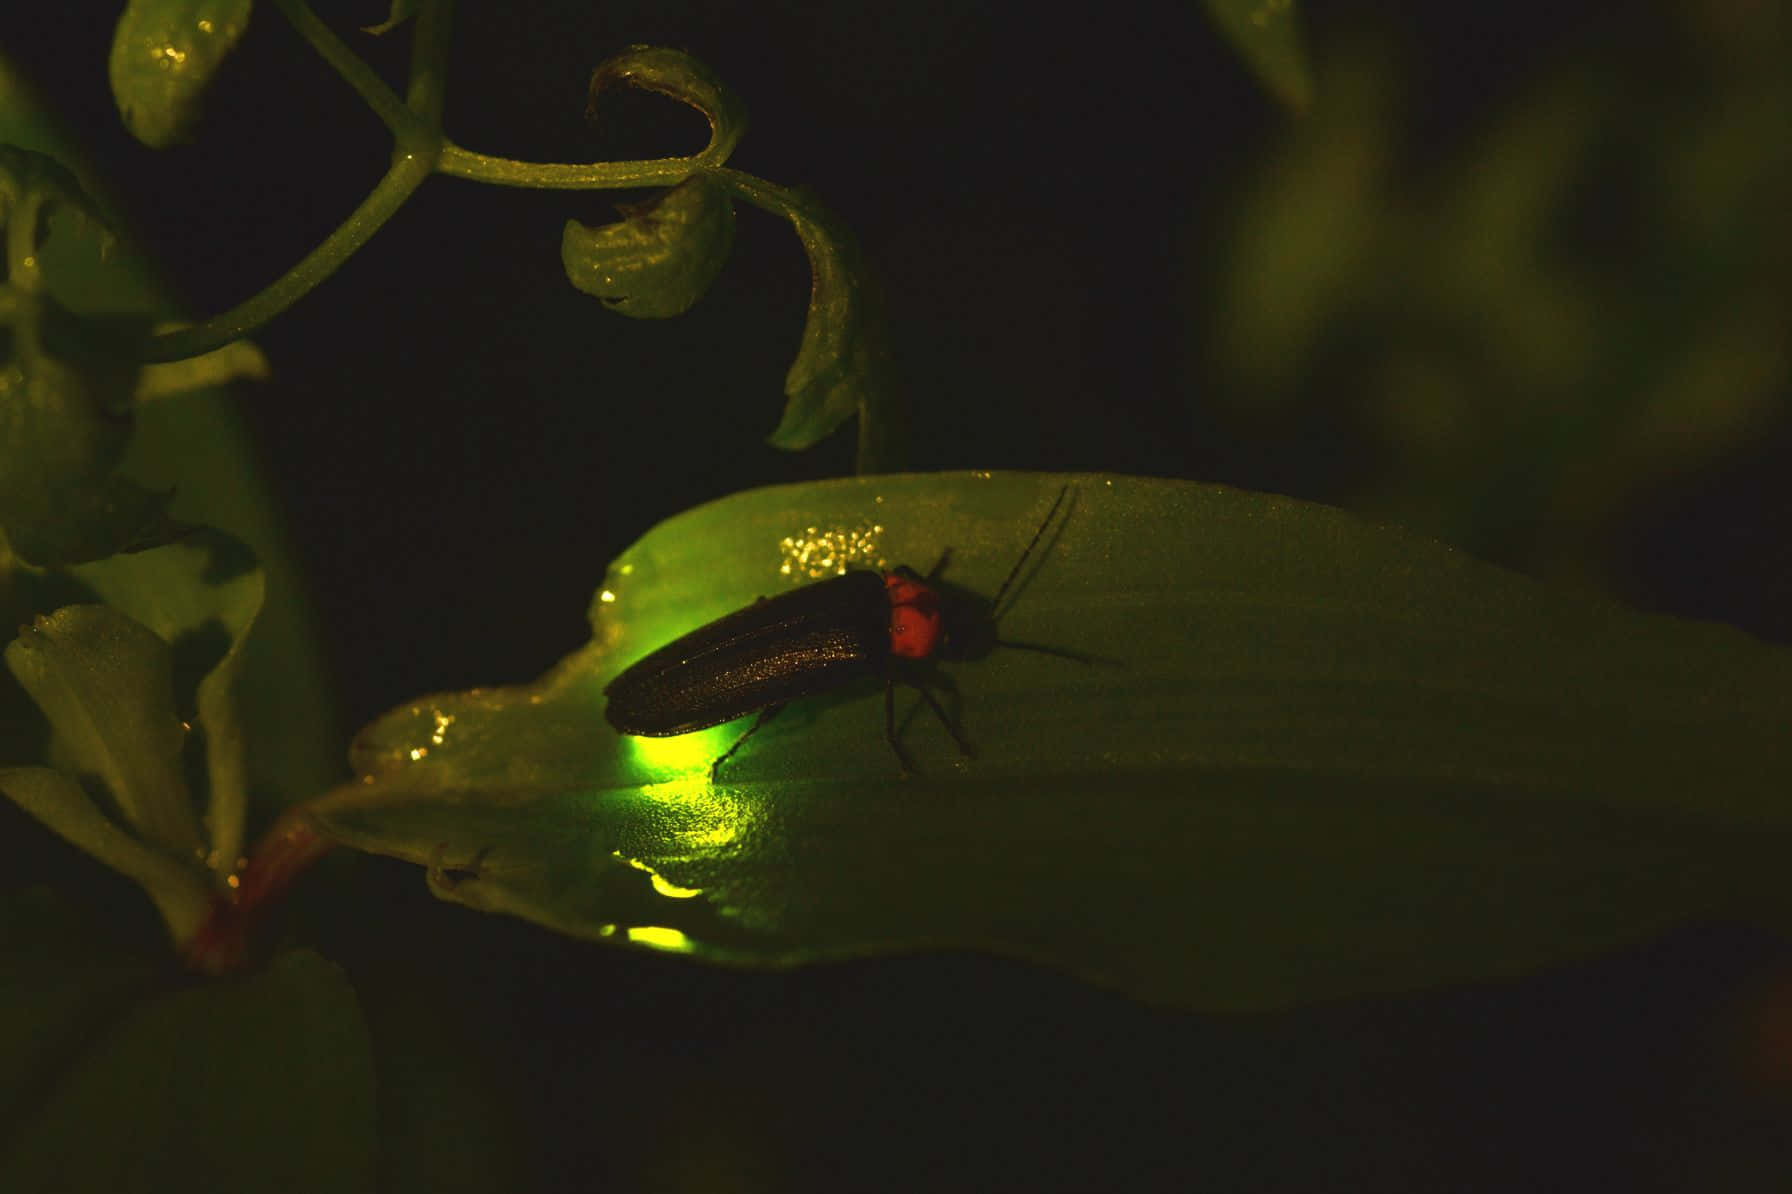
(765, 715)
(964, 748)
(890, 727)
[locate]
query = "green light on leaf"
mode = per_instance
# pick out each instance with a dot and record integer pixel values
(661, 884)
(685, 754)
(1331, 759)
(660, 937)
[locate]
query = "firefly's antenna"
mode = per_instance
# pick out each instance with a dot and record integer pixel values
(995, 605)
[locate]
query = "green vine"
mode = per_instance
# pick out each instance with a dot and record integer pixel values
(837, 373)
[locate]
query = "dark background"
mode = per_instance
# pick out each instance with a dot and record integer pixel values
(461, 441)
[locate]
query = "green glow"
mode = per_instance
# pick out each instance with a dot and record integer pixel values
(685, 754)
(670, 940)
(709, 839)
(660, 883)
(708, 818)
(672, 890)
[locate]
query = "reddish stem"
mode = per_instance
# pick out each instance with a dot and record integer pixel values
(284, 852)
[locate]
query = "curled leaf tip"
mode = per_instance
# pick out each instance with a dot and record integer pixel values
(400, 12)
(676, 75)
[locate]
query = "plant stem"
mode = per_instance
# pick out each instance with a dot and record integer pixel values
(406, 174)
(558, 176)
(416, 131)
(769, 196)
(429, 61)
(403, 121)
(222, 942)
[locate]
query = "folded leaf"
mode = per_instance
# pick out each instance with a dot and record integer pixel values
(841, 368)
(106, 685)
(58, 981)
(660, 258)
(201, 596)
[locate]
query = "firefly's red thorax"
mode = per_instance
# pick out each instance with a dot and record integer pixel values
(915, 628)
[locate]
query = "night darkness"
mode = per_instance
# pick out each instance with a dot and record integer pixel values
(461, 442)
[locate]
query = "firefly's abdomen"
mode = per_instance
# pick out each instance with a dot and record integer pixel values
(796, 644)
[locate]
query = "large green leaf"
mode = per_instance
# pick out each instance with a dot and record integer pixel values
(1328, 758)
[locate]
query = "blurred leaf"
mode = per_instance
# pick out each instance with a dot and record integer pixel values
(1722, 385)
(55, 984)
(105, 683)
(1265, 36)
(194, 443)
(676, 74)
(1332, 759)
(662, 256)
(1303, 229)
(64, 426)
(164, 54)
(34, 184)
(261, 1084)
(1486, 255)
(1580, 301)
(447, 1124)
(93, 523)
